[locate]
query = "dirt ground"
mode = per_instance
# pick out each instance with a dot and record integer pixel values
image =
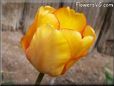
(16, 69)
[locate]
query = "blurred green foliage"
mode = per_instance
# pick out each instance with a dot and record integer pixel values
(109, 76)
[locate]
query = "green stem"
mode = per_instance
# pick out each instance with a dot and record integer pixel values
(39, 78)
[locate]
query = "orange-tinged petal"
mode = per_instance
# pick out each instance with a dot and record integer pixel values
(89, 31)
(47, 17)
(79, 46)
(43, 16)
(86, 43)
(49, 50)
(25, 41)
(70, 19)
(68, 65)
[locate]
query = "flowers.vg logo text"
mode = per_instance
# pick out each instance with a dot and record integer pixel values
(98, 4)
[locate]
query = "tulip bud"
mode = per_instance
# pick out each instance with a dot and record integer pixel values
(57, 39)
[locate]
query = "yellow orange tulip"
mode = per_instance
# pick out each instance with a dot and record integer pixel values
(57, 39)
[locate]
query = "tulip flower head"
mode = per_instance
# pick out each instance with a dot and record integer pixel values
(57, 39)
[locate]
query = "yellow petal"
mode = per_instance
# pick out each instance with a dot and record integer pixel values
(47, 8)
(43, 16)
(70, 20)
(46, 16)
(48, 51)
(78, 46)
(89, 31)
(74, 39)
(86, 43)
(89, 38)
